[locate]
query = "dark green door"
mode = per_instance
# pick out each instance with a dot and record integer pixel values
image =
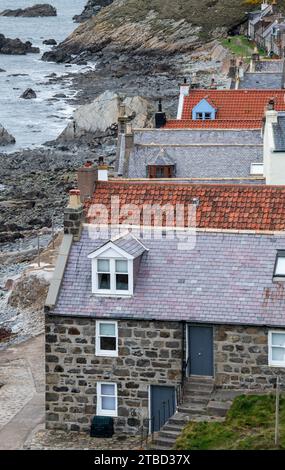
(200, 345)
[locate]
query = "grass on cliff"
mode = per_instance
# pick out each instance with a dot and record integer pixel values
(240, 46)
(208, 14)
(249, 425)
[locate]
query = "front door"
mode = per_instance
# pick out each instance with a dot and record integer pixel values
(200, 346)
(163, 405)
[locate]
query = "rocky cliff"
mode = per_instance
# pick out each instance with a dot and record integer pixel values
(154, 26)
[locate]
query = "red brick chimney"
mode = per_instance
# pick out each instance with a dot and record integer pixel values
(86, 176)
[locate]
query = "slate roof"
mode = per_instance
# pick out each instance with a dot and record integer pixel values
(279, 134)
(199, 160)
(272, 65)
(160, 157)
(130, 245)
(226, 278)
(261, 80)
(241, 207)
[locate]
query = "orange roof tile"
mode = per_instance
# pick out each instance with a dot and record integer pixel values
(242, 207)
(232, 105)
(213, 124)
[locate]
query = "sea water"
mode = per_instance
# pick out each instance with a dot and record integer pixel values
(33, 122)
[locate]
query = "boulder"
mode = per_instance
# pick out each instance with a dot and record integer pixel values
(16, 46)
(28, 94)
(5, 137)
(50, 42)
(34, 11)
(101, 116)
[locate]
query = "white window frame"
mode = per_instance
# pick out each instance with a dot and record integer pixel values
(112, 254)
(113, 290)
(100, 411)
(272, 362)
(106, 352)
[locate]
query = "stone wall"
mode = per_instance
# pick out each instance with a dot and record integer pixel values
(241, 358)
(149, 353)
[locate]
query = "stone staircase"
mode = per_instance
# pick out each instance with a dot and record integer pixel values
(198, 405)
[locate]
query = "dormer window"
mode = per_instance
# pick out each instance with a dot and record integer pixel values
(160, 171)
(113, 275)
(205, 110)
(114, 268)
(279, 269)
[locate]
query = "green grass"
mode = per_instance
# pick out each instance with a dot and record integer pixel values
(249, 425)
(240, 46)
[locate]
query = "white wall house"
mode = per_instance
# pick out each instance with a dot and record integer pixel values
(274, 147)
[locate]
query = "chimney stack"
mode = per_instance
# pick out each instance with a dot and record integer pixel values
(87, 176)
(73, 215)
(160, 116)
(184, 91)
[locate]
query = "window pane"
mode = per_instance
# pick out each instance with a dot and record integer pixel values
(280, 266)
(207, 116)
(278, 354)
(108, 344)
(122, 282)
(121, 266)
(108, 389)
(108, 403)
(103, 266)
(103, 281)
(278, 339)
(107, 329)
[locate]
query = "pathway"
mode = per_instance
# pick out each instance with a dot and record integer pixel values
(21, 392)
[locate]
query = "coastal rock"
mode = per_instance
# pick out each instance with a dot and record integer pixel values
(152, 28)
(30, 290)
(101, 116)
(28, 94)
(16, 46)
(34, 11)
(5, 137)
(57, 56)
(50, 42)
(91, 9)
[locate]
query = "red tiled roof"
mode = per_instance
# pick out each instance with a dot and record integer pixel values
(213, 124)
(244, 207)
(231, 105)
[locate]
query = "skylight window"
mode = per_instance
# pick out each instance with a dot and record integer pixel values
(279, 270)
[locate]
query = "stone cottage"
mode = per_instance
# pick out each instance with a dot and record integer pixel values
(130, 314)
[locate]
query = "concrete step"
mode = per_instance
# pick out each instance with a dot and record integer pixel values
(196, 400)
(173, 427)
(169, 434)
(218, 408)
(198, 387)
(178, 419)
(192, 410)
(200, 379)
(194, 392)
(163, 443)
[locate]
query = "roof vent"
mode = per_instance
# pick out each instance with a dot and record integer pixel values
(196, 201)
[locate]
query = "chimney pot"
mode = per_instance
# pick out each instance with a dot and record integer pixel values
(74, 199)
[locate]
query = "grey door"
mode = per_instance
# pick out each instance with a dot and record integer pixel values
(200, 350)
(163, 405)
